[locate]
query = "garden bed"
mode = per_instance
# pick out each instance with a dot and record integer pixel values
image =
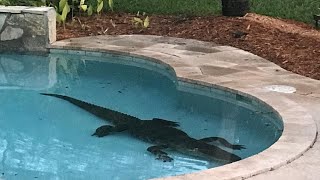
(292, 45)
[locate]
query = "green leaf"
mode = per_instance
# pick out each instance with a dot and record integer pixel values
(62, 4)
(84, 7)
(58, 18)
(90, 10)
(65, 12)
(100, 6)
(111, 4)
(137, 20)
(146, 22)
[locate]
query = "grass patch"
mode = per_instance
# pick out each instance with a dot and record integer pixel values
(301, 10)
(172, 7)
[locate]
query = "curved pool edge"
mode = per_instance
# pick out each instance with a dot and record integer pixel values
(205, 64)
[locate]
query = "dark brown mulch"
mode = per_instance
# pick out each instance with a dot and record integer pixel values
(292, 45)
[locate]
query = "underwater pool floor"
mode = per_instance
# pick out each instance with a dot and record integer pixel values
(295, 98)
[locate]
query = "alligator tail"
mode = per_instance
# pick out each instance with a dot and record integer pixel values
(163, 122)
(84, 105)
(104, 113)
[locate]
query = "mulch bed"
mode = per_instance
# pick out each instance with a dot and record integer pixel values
(294, 46)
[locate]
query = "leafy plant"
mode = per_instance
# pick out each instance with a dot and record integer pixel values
(100, 6)
(62, 11)
(90, 6)
(111, 4)
(83, 6)
(142, 22)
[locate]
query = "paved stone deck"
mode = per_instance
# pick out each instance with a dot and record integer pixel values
(294, 156)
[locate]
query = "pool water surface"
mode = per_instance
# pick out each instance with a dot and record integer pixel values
(48, 138)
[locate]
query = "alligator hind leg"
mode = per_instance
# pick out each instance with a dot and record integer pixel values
(161, 155)
(107, 129)
(223, 142)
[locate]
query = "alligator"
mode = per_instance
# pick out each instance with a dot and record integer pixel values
(163, 134)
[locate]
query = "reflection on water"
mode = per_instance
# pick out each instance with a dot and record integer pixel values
(48, 138)
(25, 72)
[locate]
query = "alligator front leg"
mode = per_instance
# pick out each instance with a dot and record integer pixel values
(161, 155)
(223, 142)
(107, 129)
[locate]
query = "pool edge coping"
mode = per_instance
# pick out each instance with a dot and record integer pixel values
(289, 144)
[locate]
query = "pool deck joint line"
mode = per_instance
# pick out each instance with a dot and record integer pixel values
(294, 155)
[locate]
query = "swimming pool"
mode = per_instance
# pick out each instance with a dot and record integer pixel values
(50, 138)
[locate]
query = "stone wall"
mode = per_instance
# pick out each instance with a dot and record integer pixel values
(26, 29)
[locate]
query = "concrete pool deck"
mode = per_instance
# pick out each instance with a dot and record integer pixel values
(294, 97)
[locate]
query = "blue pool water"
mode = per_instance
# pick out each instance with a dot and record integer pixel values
(43, 137)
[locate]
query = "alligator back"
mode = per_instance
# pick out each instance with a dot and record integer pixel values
(112, 116)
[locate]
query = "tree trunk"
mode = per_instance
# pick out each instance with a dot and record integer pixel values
(235, 7)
